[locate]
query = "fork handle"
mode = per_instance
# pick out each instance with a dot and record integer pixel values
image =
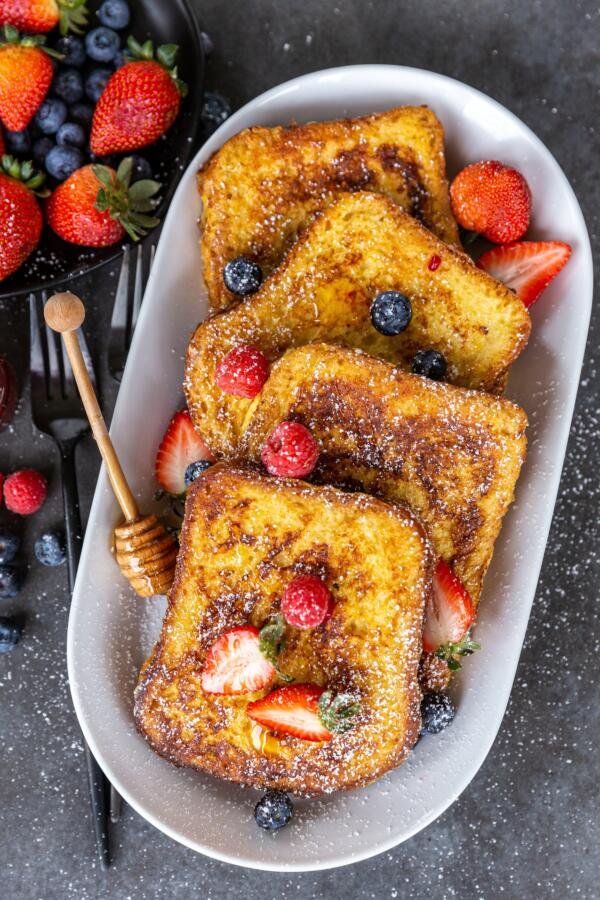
(99, 784)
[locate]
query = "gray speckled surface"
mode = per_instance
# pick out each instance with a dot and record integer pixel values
(528, 825)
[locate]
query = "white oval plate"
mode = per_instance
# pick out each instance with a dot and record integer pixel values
(111, 631)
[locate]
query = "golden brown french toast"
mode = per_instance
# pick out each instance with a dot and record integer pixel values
(452, 456)
(244, 537)
(323, 291)
(261, 188)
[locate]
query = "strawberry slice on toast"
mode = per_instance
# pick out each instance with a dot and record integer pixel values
(527, 267)
(294, 710)
(235, 663)
(449, 611)
(181, 446)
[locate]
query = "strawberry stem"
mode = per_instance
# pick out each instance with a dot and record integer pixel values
(127, 203)
(337, 712)
(25, 172)
(73, 16)
(165, 56)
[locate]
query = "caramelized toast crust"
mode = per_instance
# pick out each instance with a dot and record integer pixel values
(452, 456)
(323, 291)
(244, 537)
(261, 188)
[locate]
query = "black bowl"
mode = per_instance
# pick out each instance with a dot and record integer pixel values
(171, 21)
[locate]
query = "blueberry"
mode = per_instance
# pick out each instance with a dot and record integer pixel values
(96, 82)
(431, 363)
(63, 161)
(194, 470)
(120, 59)
(72, 49)
(81, 112)
(11, 629)
(9, 545)
(141, 168)
(18, 142)
(215, 110)
(50, 116)
(242, 276)
(437, 711)
(68, 85)
(102, 44)
(11, 581)
(49, 548)
(71, 135)
(41, 149)
(114, 14)
(391, 312)
(273, 811)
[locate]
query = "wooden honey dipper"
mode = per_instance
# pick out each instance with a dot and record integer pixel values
(145, 551)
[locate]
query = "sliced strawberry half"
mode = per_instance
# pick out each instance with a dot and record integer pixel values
(527, 267)
(449, 611)
(235, 664)
(180, 446)
(292, 709)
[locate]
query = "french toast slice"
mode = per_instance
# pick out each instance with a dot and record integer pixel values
(260, 189)
(244, 537)
(361, 246)
(452, 456)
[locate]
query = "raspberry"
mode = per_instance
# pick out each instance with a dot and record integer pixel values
(492, 199)
(306, 602)
(242, 372)
(25, 491)
(290, 450)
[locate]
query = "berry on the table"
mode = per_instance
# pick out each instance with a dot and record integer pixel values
(96, 82)
(17, 142)
(50, 116)
(307, 602)
(50, 548)
(242, 276)
(102, 44)
(114, 14)
(11, 581)
(273, 811)
(492, 199)
(25, 491)
(81, 113)
(72, 50)
(195, 470)
(11, 629)
(215, 110)
(290, 451)
(430, 363)
(242, 372)
(71, 134)
(63, 161)
(9, 545)
(68, 85)
(41, 149)
(437, 711)
(391, 312)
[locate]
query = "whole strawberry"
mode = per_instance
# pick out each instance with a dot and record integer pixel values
(38, 16)
(25, 76)
(140, 101)
(21, 219)
(96, 206)
(492, 199)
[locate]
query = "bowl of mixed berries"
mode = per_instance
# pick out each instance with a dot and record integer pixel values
(100, 111)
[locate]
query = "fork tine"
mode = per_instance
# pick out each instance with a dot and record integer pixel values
(87, 357)
(119, 313)
(36, 355)
(137, 291)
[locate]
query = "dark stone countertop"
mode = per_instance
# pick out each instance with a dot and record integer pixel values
(528, 825)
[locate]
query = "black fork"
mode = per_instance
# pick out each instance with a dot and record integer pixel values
(57, 411)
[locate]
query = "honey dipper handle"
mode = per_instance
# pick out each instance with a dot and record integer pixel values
(64, 313)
